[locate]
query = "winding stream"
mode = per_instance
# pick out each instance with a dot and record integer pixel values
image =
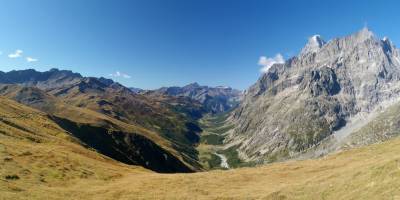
(224, 160)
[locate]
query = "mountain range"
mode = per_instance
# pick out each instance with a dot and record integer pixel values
(60, 131)
(89, 107)
(214, 99)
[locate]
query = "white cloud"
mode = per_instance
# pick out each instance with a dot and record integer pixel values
(30, 59)
(267, 63)
(16, 54)
(119, 74)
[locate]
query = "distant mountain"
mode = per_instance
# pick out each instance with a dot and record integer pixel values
(214, 99)
(49, 79)
(136, 90)
(318, 101)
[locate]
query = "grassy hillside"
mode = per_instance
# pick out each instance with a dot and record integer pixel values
(35, 151)
(165, 117)
(44, 166)
(40, 160)
(120, 103)
(128, 143)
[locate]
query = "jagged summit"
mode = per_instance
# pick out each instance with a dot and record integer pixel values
(385, 39)
(192, 85)
(388, 46)
(365, 33)
(315, 42)
(316, 94)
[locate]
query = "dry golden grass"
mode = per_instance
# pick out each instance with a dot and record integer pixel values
(49, 166)
(366, 173)
(36, 152)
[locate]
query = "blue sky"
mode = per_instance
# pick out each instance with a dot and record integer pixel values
(154, 43)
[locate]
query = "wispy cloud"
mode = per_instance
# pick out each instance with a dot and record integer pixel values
(118, 74)
(30, 59)
(267, 63)
(16, 54)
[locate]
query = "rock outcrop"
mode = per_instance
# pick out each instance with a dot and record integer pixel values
(297, 105)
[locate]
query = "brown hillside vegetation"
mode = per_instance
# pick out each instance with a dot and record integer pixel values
(94, 128)
(39, 160)
(62, 108)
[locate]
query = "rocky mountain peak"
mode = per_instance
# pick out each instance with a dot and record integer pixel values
(192, 85)
(388, 46)
(298, 104)
(106, 81)
(58, 72)
(385, 39)
(315, 42)
(364, 34)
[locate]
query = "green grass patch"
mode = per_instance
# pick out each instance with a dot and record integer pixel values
(220, 118)
(232, 156)
(212, 139)
(214, 162)
(222, 130)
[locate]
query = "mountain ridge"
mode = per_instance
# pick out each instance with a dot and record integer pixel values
(54, 91)
(298, 104)
(217, 99)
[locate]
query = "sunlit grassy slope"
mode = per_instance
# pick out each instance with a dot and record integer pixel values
(38, 160)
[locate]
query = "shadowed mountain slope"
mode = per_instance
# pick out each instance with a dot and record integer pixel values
(172, 118)
(121, 141)
(107, 97)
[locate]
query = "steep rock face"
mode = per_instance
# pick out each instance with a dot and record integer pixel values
(213, 99)
(298, 104)
(314, 44)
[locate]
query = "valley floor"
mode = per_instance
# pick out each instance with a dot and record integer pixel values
(213, 153)
(371, 172)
